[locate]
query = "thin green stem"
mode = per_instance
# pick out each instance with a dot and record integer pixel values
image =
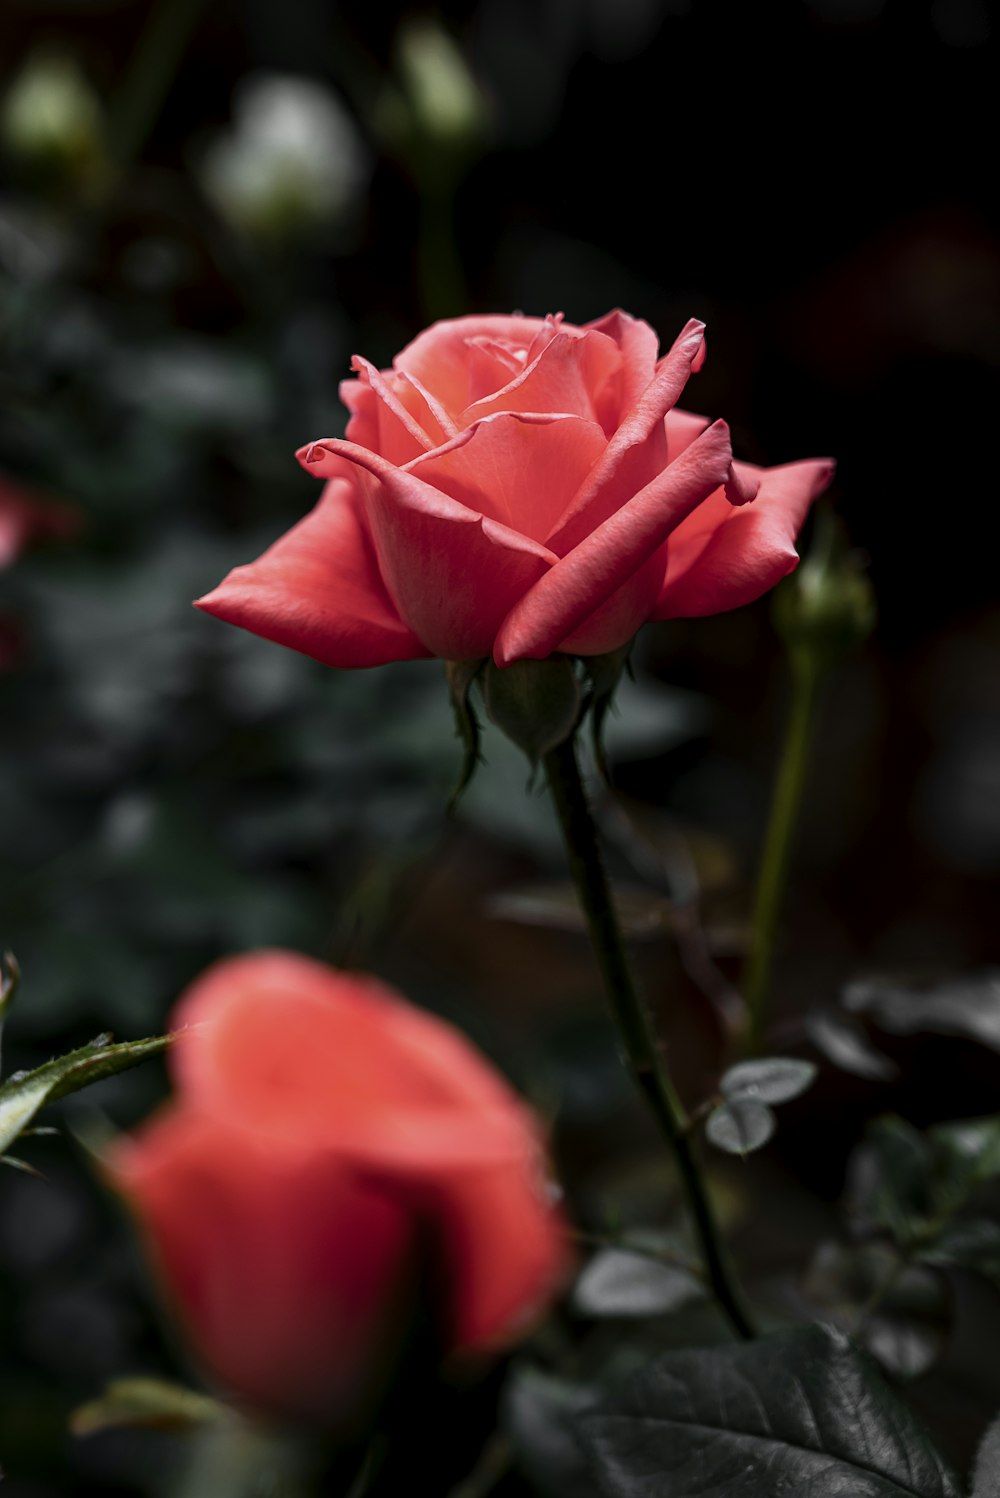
(643, 1052)
(775, 861)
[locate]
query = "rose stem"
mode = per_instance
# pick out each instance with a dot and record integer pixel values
(642, 1049)
(779, 837)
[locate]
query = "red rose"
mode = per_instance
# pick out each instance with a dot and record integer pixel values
(325, 1131)
(515, 486)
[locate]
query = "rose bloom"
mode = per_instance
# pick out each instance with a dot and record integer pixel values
(331, 1152)
(516, 486)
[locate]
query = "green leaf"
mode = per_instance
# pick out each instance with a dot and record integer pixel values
(893, 1179)
(802, 1412)
(621, 1282)
(741, 1126)
(10, 977)
(770, 1079)
(971, 1243)
(538, 1412)
(153, 1403)
(966, 1155)
(556, 905)
(902, 1313)
(844, 1043)
(23, 1094)
(967, 1007)
(986, 1476)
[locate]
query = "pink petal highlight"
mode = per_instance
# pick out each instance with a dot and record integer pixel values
(318, 590)
(722, 558)
(606, 560)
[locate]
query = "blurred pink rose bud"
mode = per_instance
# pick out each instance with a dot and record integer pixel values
(514, 487)
(331, 1150)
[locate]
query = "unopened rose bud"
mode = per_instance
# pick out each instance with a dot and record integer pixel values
(293, 162)
(51, 121)
(435, 118)
(826, 610)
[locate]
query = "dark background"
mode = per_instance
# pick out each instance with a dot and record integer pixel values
(812, 179)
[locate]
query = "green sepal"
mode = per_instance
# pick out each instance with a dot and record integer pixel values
(537, 704)
(604, 672)
(461, 675)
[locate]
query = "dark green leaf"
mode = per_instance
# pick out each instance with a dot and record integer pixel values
(969, 1007)
(966, 1155)
(621, 1282)
(986, 1476)
(21, 1096)
(740, 1126)
(800, 1413)
(844, 1043)
(902, 1313)
(557, 906)
(970, 1243)
(537, 1412)
(150, 1402)
(769, 1079)
(892, 1179)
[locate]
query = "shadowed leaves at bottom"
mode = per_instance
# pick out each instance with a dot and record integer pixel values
(801, 1412)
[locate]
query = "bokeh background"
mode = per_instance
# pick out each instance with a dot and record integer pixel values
(205, 210)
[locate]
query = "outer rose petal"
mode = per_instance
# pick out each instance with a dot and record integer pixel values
(637, 451)
(289, 1274)
(549, 617)
(682, 428)
(721, 558)
(505, 1249)
(520, 470)
(439, 357)
(287, 1045)
(318, 589)
(453, 575)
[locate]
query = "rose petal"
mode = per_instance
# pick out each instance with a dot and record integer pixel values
(439, 356)
(636, 452)
(519, 469)
(379, 418)
(281, 1043)
(436, 413)
(506, 1249)
(288, 1273)
(721, 558)
(574, 374)
(682, 428)
(606, 560)
(453, 574)
(318, 590)
(639, 347)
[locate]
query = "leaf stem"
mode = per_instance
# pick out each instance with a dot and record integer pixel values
(772, 877)
(641, 1045)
